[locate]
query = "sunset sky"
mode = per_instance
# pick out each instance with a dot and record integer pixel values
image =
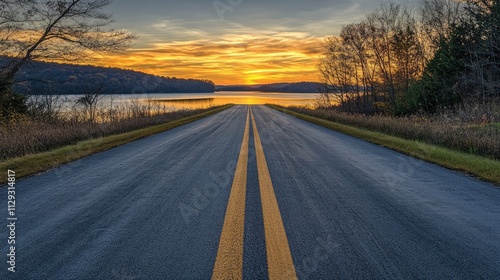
(250, 42)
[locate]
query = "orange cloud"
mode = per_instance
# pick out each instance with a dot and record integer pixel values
(230, 58)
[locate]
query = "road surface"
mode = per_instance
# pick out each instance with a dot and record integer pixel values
(254, 193)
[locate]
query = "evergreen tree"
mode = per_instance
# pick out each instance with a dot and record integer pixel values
(439, 85)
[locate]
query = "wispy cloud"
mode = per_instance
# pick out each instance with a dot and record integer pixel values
(259, 41)
(243, 57)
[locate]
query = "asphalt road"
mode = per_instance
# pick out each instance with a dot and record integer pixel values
(185, 203)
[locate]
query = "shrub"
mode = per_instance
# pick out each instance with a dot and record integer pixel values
(470, 132)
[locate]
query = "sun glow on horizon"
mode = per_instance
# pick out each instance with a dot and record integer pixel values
(250, 59)
(257, 42)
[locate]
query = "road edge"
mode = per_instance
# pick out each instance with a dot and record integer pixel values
(480, 167)
(29, 165)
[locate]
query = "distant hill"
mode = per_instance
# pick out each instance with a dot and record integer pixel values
(55, 78)
(299, 87)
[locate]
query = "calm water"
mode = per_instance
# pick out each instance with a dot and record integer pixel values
(175, 101)
(220, 98)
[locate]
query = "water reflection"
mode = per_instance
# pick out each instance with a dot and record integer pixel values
(167, 102)
(193, 101)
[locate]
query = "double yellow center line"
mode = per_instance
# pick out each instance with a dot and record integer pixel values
(229, 261)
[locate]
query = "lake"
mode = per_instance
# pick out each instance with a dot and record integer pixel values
(176, 101)
(221, 98)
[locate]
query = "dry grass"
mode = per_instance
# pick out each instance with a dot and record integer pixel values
(482, 167)
(39, 162)
(474, 135)
(23, 135)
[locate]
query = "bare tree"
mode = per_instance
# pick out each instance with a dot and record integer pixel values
(337, 73)
(90, 102)
(382, 23)
(65, 30)
(407, 51)
(397, 49)
(483, 24)
(48, 105)
(373, 63)
(438, 18)
(356, 37)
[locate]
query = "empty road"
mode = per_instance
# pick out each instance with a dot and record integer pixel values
(252, 193)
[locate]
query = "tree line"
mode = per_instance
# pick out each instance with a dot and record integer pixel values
(39, 78)
(401, 60)
(296, 87)
(57, 30)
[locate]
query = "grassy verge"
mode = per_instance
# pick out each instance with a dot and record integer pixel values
(36, 163)
(478, 166)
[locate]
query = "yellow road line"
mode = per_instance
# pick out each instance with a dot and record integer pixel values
(229, 261)
(279, 258)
